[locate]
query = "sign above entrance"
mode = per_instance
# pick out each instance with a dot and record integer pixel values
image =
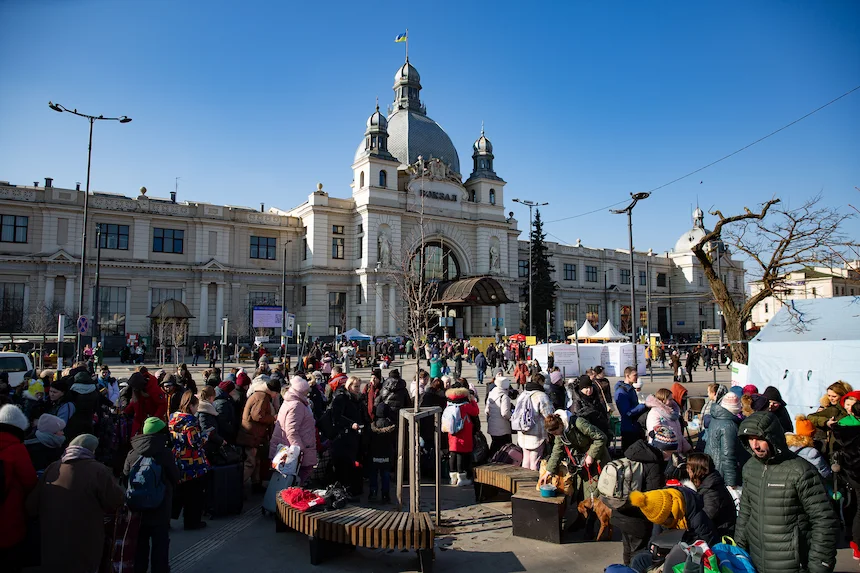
(439, 195)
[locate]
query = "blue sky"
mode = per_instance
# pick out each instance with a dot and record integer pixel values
(584, 101)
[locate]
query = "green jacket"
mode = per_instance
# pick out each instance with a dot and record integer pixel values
(581, 437)
(786, 521)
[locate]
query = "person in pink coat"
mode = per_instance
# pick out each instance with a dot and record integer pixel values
(295, 426)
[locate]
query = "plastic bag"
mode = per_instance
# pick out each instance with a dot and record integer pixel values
(286, 460)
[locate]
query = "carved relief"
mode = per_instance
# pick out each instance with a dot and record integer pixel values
(17, 194)
(264, 218)
(113, 203)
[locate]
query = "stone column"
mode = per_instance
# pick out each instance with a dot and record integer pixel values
(49, 291)
(127, 307)
(377, 330)
(204, 307)
(70, 295)
(219, 304)
(26, 308)
(467, 322)
(392, 308)
(500, 315)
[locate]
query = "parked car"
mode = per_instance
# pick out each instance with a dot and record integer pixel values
(16, 364)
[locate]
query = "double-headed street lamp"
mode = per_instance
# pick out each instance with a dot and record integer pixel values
(629, 210)
(531, 205)
(92, 119)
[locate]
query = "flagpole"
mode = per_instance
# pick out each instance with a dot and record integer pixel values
(407, 44)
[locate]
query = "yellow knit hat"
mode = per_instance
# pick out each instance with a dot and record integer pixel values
(661, 506)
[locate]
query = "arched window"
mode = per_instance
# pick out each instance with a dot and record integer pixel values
(472, 196)
(383, 178)
(361, 180)
(492, 196)
(441, 264)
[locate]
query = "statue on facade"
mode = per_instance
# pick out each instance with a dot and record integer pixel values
(384, 252)
(495, 260)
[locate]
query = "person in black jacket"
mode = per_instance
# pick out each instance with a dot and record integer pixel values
(635, 528)
(383, 445)
(226, 411)
(554, 388)
(154, 442)
(719, 504)
(587, 402)
(174, 393)
(46, 446)
(776, 405)
(207, 417)
(348, 421)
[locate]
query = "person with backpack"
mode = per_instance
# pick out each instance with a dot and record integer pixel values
(71, 500)
(646, 462)
(258, 418)
(152, 478)
(188, 451)
(19, 480)
(498, 411)
(457, 422)
(629, 408)
(532, 407)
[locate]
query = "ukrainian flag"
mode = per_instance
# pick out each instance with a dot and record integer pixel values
(400, 37)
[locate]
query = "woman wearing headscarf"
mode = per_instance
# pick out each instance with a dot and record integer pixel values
(295, 426)
(587, 403)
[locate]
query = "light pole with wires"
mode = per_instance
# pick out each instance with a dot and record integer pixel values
(531, 205)
(92, 119)
(629, 210)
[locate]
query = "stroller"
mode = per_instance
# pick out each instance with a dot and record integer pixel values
(285, 464)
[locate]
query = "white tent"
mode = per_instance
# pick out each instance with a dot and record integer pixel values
(609, 332)
(585, 331)
(806, 346)
(355, 335)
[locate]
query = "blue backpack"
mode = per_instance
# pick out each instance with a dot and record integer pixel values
(452, 419)
(145, 487)
(733, 559)
(619, 569)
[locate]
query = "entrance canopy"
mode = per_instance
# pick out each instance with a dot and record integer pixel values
(355, 335)
(479, 291)
(171, 308)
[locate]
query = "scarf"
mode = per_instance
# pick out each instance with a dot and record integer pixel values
(52, 441)
(73, 453)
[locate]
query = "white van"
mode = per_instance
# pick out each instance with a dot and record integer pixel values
(16, 364)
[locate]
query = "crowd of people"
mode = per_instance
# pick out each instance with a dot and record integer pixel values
(79, 440)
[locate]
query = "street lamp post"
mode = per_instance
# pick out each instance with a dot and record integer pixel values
(629, 210)
(96, 293)
(92, 119)
(531, 205)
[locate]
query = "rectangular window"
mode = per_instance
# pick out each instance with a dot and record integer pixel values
(523, 269)
(592, 314)
(766, 308)
(358, 294)
(643, 278)
(661, 279)
(570, 312)
(263, 248)
(569, 272)
(304, 248)
(336, 312)
(736, 282)
(304, 296)
(701, 280)
(590, 274)
(11, 307)
(337, 246)
(168, 241)
(112, 311)
(701, 311)
(213, 243)
(360, 228)
(114, 236)
(160, 295)
(625, 276)
(337, 229)
(359, 247)
(13, 228)
(62, 231)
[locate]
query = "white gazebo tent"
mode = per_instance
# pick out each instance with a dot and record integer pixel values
(609, 332)
(585, 332)
(806, 346)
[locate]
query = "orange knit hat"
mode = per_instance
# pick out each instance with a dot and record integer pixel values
(803, 427)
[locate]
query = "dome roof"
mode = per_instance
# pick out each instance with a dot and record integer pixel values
(483, 145)
(407, 72)
(377, 120)
(687, 240)
(411, 134)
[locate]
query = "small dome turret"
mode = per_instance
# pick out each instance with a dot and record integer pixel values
(407, 73)
(376, 136)
(482, 158)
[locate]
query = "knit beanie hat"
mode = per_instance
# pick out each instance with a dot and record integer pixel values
(737, 391)
(299, 386)
(760, 403)
(153, 425)
(803, 427)
(227, 386)
(503, 382)
(36, 387)
(661, 506)
(732, 403)
(664, 438)
(273, 384)
(87, 441)
(12, 415)
(50, 424)
(750, 389)
(854, 394)
(83, 378)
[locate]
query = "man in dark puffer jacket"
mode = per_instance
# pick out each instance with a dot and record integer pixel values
(786, 521)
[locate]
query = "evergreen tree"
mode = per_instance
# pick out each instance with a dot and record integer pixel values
(543, 287)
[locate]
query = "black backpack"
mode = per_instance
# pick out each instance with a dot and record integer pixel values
(326, 425)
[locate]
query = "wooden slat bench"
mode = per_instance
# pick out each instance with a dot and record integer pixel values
(351, 527)
(493, 477)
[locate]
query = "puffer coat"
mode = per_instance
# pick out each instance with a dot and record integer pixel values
(666, 414)
(719, 504)
(722, 444)
(295, 426)
(786, 521)
(580, 437)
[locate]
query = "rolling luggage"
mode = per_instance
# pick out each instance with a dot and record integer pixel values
(224, 495)
(277, 483)
(285, 474)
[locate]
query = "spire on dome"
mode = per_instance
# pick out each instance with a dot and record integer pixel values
(482, 157)
(407, 89)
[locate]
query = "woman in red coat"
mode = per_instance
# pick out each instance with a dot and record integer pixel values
(20, 480)
(460, 443)
(148, 400)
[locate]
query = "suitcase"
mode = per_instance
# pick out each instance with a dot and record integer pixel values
(224, 495)
(278, 482)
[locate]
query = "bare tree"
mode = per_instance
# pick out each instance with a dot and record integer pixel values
(776, 241)
(239, 327)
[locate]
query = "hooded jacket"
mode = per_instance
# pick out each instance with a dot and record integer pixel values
(666, 414)
(722, 444)
(772, 393)
(719, 504)
(462, 442)
(258, 416)
(154, 404)
(159, 448)
(86, 399)
(207, 417)
(804, 447)
(591, 408)
(580, 437)
(395, 395)
(225, 408)
(786, 521)
(295, 426)
(188, 446)
(498, 410)
(20, 480)
(628, 406)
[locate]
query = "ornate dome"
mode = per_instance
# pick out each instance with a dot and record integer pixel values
(377, 120)
(407, 72)
(483, 145)
(687, 240)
